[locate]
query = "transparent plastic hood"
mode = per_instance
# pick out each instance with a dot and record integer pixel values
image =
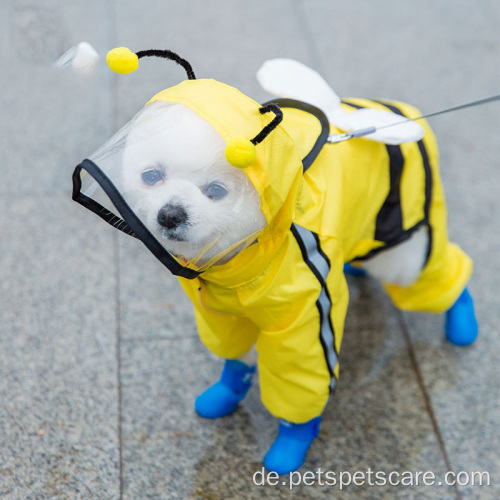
(164, 179)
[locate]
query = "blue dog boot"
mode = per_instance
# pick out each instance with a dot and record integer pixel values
(460, 325)
(288, 451)
(225, 395)
(351, 270)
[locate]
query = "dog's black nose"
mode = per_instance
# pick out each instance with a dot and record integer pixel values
(172, 216)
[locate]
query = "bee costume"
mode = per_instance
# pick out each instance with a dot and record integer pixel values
(324, 205)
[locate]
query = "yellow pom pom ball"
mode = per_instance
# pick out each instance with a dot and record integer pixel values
(240, 152)
(122, 60)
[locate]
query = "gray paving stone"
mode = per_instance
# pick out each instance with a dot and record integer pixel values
(225, 41)
(63, 299)
(463, 388)
(430, 54)
(464, 382)
(162, 437)
(153, 304)
(58, 368)
(55, 117)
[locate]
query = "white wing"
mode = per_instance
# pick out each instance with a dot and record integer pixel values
(290, 78)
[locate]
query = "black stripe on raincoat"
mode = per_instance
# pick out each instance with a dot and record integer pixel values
(389, 223)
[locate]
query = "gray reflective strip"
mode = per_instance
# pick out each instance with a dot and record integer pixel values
(313, 254)
(327, 334)
(319, 265)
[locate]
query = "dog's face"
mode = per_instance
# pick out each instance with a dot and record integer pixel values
(177, 180)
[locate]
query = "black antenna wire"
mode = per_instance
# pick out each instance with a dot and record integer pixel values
(168, 54)
(273, 108)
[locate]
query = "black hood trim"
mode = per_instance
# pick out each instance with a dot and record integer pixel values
(130, 224)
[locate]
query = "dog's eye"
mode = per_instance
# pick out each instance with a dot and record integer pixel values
(214, 191)
(152, 177)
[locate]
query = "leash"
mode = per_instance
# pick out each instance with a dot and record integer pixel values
(334, 138)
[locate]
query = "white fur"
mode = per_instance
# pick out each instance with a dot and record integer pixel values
(191, 153)
(402, 264)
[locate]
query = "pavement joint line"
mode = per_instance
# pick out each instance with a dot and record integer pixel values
(425, 394)
(113, 89)
(116, 252)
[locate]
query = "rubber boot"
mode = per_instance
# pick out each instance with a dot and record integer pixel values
(460, 325)
(288, 451)
(225, 395)
(351, 270)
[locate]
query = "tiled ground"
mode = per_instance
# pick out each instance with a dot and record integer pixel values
(99, 358)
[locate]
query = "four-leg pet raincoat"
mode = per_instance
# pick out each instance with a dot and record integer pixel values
(324, 204)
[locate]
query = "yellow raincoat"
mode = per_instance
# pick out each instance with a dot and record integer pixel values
(287, 293)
